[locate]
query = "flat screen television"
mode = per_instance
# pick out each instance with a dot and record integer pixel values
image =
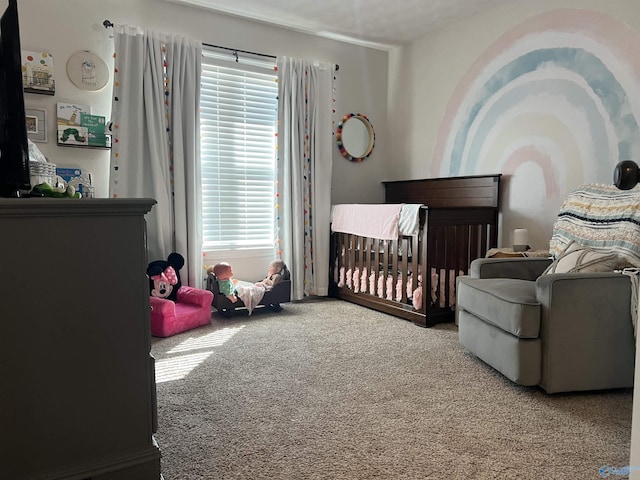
(14, 148)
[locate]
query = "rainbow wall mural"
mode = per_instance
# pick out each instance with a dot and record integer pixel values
(552, 104)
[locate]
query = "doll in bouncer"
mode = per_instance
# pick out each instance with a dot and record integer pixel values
(226, 283)
(274, 275)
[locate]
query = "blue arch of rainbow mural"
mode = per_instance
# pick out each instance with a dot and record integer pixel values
(573, 69)
(602, 82)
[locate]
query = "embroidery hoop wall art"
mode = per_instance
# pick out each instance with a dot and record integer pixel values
(87, 71)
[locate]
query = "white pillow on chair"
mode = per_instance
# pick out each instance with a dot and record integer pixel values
(578, 258)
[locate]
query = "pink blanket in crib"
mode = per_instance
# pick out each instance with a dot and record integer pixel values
(367, 220)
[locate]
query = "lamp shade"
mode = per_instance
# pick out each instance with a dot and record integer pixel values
(625, 175)
(520, 240)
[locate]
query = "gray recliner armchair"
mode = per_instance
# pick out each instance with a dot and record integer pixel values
(562, 331)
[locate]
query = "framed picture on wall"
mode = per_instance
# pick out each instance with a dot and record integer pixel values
(37, 68)
(36, 119)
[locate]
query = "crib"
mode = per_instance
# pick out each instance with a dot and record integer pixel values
(413, 276)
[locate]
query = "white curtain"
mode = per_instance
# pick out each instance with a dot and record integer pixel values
(156, 148)
(304, 172)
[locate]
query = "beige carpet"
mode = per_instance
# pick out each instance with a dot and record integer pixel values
(330, 390)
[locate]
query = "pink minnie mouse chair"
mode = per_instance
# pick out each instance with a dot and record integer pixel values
(175, 308)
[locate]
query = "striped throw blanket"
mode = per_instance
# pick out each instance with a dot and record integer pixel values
(602, 217)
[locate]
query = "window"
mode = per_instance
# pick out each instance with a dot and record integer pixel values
(238, 104)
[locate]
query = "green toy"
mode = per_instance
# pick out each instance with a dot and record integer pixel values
(68, 132)
(47, 190)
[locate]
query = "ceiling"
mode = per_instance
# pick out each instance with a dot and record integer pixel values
(382, 24)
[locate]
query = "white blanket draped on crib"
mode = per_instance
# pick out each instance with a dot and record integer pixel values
(383, 221)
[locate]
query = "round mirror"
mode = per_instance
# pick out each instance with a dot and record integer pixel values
(355, 137)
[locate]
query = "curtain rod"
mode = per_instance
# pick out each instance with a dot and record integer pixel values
(236, 51)
(108, 24)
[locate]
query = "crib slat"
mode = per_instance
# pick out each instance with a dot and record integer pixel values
(366, 264)
(416, 263)
(404, 268)
(377, 245)
(424, 260)
(394, 266)
(352, 259)
(474, 240)
(463, 249)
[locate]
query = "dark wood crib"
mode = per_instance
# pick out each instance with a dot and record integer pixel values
(414, 276)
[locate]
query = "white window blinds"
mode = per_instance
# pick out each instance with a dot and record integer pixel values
(238, 104)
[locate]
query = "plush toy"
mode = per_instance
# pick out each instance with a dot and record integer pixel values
(46, 190)
(224, 275)
(274, 275)
(164, 276)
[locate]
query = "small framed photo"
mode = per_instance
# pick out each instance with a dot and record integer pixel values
(36, 119)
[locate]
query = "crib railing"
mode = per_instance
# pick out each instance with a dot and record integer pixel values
(413, 277)
(451, 250)
(388, 269)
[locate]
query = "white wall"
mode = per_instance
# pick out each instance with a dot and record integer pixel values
(361, 85)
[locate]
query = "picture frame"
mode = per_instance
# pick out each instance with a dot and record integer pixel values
(36, 119)
(37, 72)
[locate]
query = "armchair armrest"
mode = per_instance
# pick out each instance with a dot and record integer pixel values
(162, 306)
(522, 268)
(584, 297)
(194, 296)
(586, 331)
